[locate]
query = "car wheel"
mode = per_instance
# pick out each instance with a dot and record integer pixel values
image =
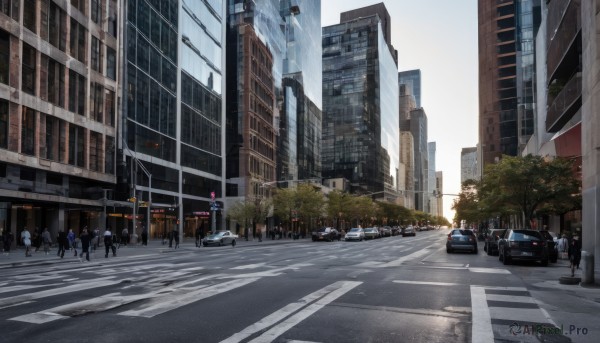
(475, 251)
(448, 250)
(500, 258)
(505, 260)
(220, 242)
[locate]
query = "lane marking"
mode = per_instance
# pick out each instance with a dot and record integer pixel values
(23, 287)
(481, 327)
(489, 270)
(292, 321)
(510, 298)
(250, 266)
(174, 300)
(428, 283)
(284, 312)
(518, 314)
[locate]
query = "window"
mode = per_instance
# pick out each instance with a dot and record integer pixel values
(78, 39)
(109, 161)
(79, 4)
(3, 124)
(97, 102)
(109, 108)
(77, 84)
(10, 8)
(96, 54)
(28, 72)
(56, 83)
(52, 138)
(112, 18)
(4, 56)
(62, 139)
(111, 63)
(95, 151)
(28, 131)
(56, 26)
(76, 145)
(96, 8)
(29, 15)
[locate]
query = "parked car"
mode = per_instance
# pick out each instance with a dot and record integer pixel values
(461, 239)
(385, 231)
(220, 238)
(409, 231)
(491, 241)
(523, 245)
(396, 230)
(371, 233)
(325, 234)
(355, 234)
(551, 241)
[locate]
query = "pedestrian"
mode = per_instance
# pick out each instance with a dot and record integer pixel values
(108, 243)
(197, 234)
(26, 240)
(71, 239)
(63, 243)
(36, 240)
(563, 247)
(85, 239)
(575, 252)
(96, 239)
(46, 240)
(246, 232)
(175, 235)
(124, 236)
(171, 237)
(7, 239)
(144, 235)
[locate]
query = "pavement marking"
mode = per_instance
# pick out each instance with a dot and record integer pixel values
(23, 287)
(510, 298)
(489, 270)
(481, 327)
(176, 299)
(427, 283)
(285, 311)
(250, 266)
(518, 315)
(301, 315)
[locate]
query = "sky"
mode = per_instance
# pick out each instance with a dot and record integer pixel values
(439, 37)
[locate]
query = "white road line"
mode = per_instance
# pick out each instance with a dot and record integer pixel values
(427, 283)
(281, 313)
(84, 286)
(510, 298)
(24, 287)
(489, 270)
(481, 327)
(414, 255)
(292, 321)
(250, 266)
(518, 314)
(177, 299)
(500, 288)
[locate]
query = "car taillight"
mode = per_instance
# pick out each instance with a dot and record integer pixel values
(534, 243)
(470, 239)
(514, 244)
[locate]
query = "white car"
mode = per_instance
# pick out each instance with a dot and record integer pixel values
(355, 234)
(220, 238)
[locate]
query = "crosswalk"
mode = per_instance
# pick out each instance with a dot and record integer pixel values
(147, 290)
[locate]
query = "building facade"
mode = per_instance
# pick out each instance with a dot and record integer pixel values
(172, 146)
(432, 185)
(360, 108)
(416, 124)
(412, 80)
(468, 164)
(59, 82)
(439, 191)
(506, 76)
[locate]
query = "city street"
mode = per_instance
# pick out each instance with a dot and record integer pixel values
(395, 289)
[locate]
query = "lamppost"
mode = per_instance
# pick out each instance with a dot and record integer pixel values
(134, 198)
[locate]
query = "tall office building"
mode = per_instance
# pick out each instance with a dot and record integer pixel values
(431, 186)
(415, 122)
(412, 80)
(506, 75)
(58, 123)
(406, 181)
(173, 123)
(439, 191)
(360, 107)
(300, 120)
(468, 164)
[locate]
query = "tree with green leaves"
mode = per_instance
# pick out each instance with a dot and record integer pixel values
(310, 204)
(466, 206)
(242, 212)
(338, 206)
(530, 184)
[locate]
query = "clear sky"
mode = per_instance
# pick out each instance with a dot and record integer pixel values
(440, 38)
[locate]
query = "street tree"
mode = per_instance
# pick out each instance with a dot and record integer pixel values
(530, 184)
(310, 204)
(338, 206)
(466, 206)
(242, 212)
(284, 205)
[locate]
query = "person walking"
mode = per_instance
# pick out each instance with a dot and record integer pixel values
(63, 242)
(108, 243)
(46, 240)
(124, 236)
(85, 239)
(26, 240)
(144, 236)
(175, 235)
(563, 247)
(7, 239)
(197, 234)
(575, 252)
(71, 239)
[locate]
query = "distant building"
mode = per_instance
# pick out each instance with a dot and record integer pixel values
(439, 191)
(360, 107)
(431, 186)
(416, 124)
(412, 80)
(468, 165)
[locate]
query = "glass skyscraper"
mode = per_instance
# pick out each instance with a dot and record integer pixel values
(412, 79)
(360, 107)
(172, 118)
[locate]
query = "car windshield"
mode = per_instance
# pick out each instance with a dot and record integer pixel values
(462, 233)
(323, 229)
(546, 235)
(354, 230)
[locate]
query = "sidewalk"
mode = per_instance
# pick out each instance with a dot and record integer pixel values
(17, 258)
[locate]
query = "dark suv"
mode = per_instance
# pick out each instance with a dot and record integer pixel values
(527, 245)
(491, 241)
(325, 234)
(552, 251)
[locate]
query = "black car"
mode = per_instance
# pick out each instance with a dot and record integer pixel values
(523, 244)
(461, 239)
(552, 250)
(491, 241)
(325, 234)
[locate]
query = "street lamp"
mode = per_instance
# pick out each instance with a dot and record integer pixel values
(134, 176)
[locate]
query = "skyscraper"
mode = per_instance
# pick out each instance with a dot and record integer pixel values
(468, 164)
(416, 123)
(431, 186)
(58, 113)
(360, 107)
(173, 130)
(412, 80)
(506, 75)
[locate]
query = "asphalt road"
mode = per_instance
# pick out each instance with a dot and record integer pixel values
(386, 290)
